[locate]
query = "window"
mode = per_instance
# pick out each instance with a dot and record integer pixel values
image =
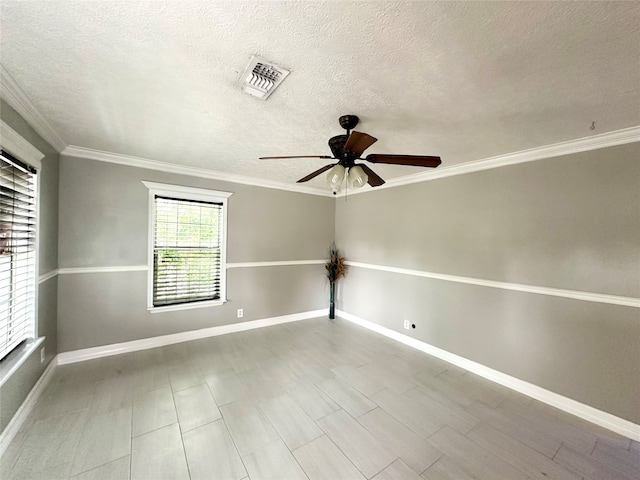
(187, 254)
(18, 187)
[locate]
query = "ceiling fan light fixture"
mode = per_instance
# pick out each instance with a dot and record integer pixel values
(335, 177)
(357, 178)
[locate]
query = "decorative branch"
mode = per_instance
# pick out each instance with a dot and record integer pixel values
(336, 266)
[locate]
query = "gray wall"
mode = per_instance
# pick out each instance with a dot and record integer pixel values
(104, 222)
(15, 390)
(570, 222)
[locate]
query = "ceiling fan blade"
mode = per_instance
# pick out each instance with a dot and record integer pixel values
(373, 179)
(296, 156)
(359, 142)
(415, 160)
(316, 173)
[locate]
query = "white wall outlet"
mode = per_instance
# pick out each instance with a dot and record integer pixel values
(406, 324)
(42, 355)
(240, 313)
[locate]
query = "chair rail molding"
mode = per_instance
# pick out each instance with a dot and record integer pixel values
(519, 287)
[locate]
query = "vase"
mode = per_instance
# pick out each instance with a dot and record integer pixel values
(332, 304)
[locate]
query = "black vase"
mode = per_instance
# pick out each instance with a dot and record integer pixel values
(332, 304)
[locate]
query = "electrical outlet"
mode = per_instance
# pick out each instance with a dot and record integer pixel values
(42, 355)
(240, 313)
(406, 324)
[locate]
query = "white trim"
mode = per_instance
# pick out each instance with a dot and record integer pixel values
(274, 264)
(36, 284)
(47, 276)
(17, 146)
(603, 140)
(144, 268)
(161, 341)
(185, 193)
(593, 415)
(192, 193)
(555, 292)
(19, 101)
(22, 356)
(25, 409)
(64, 358)
(15, 97)
(138, 162)
(186, 306)
(125, 268)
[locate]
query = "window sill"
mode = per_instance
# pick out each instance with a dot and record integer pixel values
(186, 306)
(16, 358)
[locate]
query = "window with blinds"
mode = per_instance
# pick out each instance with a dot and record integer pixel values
(17, 252)
(188, 246)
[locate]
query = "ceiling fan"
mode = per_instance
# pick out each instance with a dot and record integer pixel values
(347, 149)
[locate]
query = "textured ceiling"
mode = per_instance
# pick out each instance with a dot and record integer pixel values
(463, 80)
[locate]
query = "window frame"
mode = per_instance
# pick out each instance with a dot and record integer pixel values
(180, 192)
(15, 145)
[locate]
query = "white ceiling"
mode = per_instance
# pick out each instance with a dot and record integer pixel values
(463, 80)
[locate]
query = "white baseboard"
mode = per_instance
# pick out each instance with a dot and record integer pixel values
(593, 415)
(104, 351)
(161, 341)
(23, 412)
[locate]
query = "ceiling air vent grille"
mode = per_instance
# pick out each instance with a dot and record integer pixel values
(261, 78)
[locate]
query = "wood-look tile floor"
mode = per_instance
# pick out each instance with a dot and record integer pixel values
(306, 400)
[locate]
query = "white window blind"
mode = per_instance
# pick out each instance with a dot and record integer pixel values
(17, 252)
(187, 251)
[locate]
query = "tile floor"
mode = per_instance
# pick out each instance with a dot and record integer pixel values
(305, 400)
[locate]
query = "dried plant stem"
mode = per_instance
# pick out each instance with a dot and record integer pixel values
(336, 266)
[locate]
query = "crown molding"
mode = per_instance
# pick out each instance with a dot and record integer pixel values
(585, 144)
(17, 146)
(18, 100)
(74, 151)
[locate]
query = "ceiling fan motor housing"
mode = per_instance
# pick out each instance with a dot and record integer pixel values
(336, 144)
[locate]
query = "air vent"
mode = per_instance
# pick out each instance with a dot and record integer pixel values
(261, 78)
